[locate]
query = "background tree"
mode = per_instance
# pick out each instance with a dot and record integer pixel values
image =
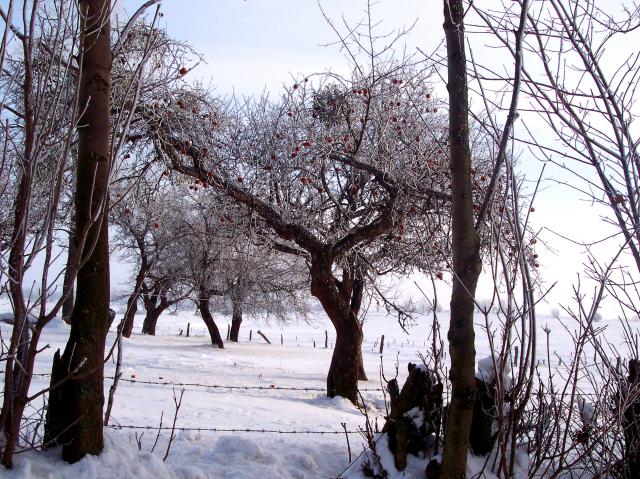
(257, 280)
(147, 233)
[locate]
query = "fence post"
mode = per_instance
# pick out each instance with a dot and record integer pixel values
(250, 333)
(188, 329)
(381, 343)
(228, 331)
(326, 339)
(281, 340)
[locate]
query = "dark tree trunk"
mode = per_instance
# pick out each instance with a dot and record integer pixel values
(69, 279)
(356, 303)
(130, 314)
(155, 304)
(236, 321)
(214, 333)
(75, 414)
(465, 250)
(132, 302)
(342, 379)
(362, 374)
(150, 322)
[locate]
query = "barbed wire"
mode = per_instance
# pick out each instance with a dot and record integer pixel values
(222, 429)
(236, 387)
(220, 386)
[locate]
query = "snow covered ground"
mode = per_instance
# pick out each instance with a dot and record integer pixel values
(268, 370)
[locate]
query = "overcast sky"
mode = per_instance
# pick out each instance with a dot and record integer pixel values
(256, 45)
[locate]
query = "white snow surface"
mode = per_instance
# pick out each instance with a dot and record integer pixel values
(169, 357)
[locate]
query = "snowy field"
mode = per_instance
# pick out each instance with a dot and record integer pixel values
(268, 370)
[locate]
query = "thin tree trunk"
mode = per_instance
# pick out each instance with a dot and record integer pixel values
(12, 408)
(132, 302)
(362, 374)
(15, 377)
(75, 414)
(236, 321)
(465, 249)
(214, 332)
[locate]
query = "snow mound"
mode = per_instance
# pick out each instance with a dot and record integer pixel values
(487, 373)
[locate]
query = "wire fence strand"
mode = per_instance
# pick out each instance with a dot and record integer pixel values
(222, 429)
(271, 387)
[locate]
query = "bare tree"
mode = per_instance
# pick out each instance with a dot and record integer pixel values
(148, 233)
(39, 115)
(42, 107)
(255, 279)
(332, 171)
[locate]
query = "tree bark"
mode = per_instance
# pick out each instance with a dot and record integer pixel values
(236, 321)
(69, 279)
(214, 333)
(465, 250)
(75, 407)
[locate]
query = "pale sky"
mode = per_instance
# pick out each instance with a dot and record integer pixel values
(255, 45)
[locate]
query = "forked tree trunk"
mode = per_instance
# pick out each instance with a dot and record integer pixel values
(236, 321)
(214, 332)
(74, 417)
(465, 250)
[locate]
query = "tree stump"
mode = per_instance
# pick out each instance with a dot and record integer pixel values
(481, 437)
(414, 414)
(631, 422)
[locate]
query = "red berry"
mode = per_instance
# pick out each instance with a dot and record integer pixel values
(183, 71)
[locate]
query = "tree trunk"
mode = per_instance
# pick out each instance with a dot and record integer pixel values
(465, 250)
(151, 321)
(130, 314)
(214, 333)
(362, 374)
(236, 320)
(69, 279)
(75, 407)
(132, 302)
(342, 379)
